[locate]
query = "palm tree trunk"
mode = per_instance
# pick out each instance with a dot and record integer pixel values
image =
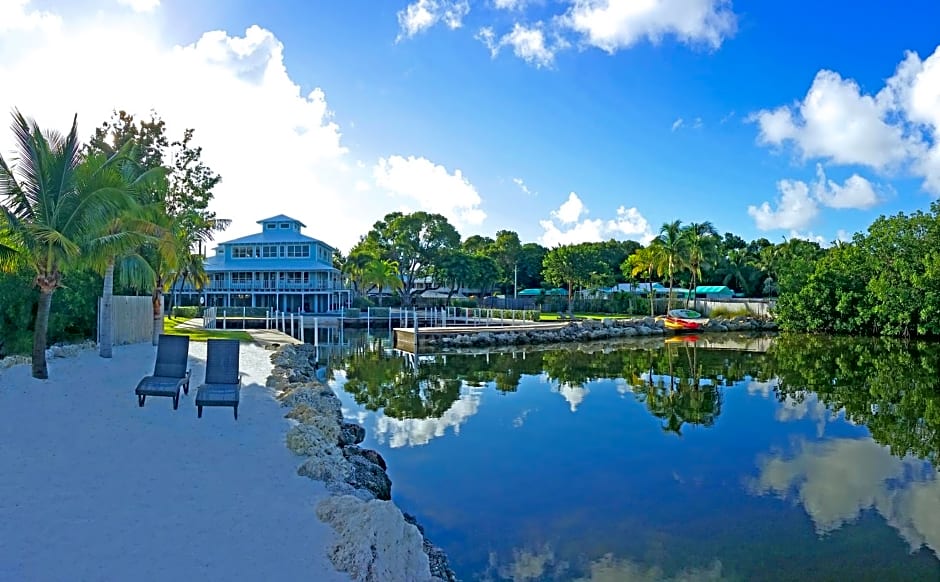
(649, 280)
(106, 332)
(157, 313)
(40, 370)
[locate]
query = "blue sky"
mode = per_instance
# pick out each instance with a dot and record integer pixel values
(564, 120)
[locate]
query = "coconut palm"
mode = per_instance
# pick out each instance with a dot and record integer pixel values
(121, 238)
(47, 217)
(701, 248)
(669, 248)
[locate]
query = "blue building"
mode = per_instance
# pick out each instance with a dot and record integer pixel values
(279, 268)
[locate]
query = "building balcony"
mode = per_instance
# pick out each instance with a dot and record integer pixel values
(271, 287)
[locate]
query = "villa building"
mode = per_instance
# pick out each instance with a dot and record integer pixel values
(279, 268)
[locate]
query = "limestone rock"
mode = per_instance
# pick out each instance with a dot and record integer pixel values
(374, 543)
(367, 474)
(351, 434)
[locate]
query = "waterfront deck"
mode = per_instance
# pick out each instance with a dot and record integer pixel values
(405, 337)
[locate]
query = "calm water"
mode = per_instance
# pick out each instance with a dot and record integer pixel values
(794, 458)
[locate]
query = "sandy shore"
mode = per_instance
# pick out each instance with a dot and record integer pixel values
(95, 488)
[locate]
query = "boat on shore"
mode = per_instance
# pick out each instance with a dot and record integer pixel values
(682, 320)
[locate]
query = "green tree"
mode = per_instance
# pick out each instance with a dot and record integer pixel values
(642, 261)
(572, 265)
(47, 216)
(670, 250)
(382, 274)
(701, 240)
(414, 241)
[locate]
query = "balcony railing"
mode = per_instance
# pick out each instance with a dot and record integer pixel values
(271, 286)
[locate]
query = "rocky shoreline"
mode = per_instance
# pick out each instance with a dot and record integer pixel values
(375, 541)
(592, 330)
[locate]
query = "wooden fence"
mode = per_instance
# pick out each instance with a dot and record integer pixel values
(131, 317)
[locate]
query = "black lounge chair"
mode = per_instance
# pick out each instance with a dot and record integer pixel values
(170, 372)
(223, 383)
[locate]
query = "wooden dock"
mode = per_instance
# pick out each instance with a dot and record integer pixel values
(404, 337)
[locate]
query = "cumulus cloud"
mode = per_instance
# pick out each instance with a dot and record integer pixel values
(795, 208)
(527, 42)
(677, 123)
(140, 5)
(423, 14)
(421, 184)
(799, 203)
(835, 481)
(568, 225)
(611, 25)
(15, 16)
(250, 117)
(895, 129)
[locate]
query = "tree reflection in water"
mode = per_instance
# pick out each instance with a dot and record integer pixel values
(890, 386)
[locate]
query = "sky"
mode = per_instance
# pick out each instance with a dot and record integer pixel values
(563, 120)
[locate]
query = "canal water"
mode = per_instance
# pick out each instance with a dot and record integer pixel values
(711, 458)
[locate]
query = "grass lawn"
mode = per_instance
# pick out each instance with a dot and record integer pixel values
(170, 327)
(554, 316)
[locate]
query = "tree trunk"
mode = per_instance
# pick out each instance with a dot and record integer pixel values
(106, 332)
(649, 279)
(157, 314)
(40, 370)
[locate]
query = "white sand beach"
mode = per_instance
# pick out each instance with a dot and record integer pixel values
(95, 488)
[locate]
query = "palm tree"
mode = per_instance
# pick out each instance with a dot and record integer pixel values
(382, 273)
(120, 239)
(643, 261)
(669, 248)
(46, 216)
(700, 247)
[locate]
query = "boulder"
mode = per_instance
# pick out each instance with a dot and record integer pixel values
(373, 542)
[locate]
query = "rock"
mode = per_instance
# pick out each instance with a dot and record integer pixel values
(320, 399)
(367, 474)
(351, 434)
(373, 541)
(369, 454)
(314, 439)
(440, 566)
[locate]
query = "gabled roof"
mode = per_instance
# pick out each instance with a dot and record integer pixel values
(281, 218)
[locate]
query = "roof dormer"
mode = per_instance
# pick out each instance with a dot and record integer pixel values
(281, 223)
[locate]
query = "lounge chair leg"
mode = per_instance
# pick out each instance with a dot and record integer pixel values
(176, 400)
(140, 399)
(236, 412)
(186, 388)
(199, 412)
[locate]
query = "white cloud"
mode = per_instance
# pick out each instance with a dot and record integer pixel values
(632, 224)
(795, 208)
(617, 24)
(431, 188)
(856, 192)
(423, 14)
(565, 225)
(799, 202)
(809, 236)
(527, 42)
(570, 210)
(677, 123)
(14, 16)
(835, 121)
(510, 4)
(140, 5)
(896, 128)
(289, 159)
(522, 186)
(697, 124)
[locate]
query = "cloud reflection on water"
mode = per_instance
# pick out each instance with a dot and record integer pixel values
(835, 481)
